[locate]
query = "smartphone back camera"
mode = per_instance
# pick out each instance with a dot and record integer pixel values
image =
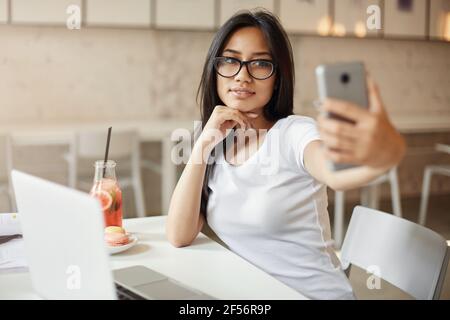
(345, 78)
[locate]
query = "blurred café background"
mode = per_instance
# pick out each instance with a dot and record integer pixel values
(68, 67)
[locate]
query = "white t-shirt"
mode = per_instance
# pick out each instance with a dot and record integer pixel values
(273, 213)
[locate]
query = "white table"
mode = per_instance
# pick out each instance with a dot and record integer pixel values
(205, 265)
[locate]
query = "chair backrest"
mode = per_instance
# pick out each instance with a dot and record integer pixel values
(409, 256)
(4, 177)
(92, 144)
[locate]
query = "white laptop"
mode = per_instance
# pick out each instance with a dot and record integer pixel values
(66, 253)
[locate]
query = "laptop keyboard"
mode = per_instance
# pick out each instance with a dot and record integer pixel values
(125, 294)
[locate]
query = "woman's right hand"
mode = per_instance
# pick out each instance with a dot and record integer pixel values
(224, 118)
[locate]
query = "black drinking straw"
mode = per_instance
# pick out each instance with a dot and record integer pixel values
(107, 150)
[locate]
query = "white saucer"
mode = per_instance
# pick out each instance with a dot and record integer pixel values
(117, 249)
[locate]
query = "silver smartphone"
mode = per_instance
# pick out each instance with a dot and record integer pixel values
(343, 81)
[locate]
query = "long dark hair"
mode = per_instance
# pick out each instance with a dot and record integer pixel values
(281, 103)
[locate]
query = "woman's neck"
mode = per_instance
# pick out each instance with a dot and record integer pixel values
(261, 122)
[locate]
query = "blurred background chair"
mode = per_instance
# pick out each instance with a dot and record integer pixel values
(369, 198)
(407, 255)
(428, 172)
(5, 181)
(87, 147)
(15, 146)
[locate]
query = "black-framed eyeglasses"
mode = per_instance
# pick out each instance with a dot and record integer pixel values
(229, 67)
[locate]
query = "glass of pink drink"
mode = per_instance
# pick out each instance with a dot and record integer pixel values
(107, 190)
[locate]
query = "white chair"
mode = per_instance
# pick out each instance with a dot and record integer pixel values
(369, 198)
(407, 255)
(124, 148)
(5, 168)
(429, 171)
(12, 142)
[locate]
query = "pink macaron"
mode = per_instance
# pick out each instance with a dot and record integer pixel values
(116, 239)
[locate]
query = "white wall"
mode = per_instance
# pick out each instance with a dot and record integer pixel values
(55, 74)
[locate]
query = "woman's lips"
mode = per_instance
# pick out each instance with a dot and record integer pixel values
(242, 93)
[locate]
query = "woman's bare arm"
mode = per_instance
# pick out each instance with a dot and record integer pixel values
(184, 220)
(316, 164)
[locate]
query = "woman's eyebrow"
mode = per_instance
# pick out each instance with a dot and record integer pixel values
(262, 53)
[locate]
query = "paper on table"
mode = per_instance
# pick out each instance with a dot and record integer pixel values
(12, 254)
(9, 224)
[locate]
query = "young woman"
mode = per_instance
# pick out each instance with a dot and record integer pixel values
(276, 219)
